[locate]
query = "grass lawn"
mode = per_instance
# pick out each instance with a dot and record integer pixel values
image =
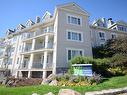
(114, 82)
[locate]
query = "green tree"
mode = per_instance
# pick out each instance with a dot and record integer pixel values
(111, 47)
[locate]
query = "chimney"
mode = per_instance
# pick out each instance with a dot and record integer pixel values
(110, 22)
(38, 19)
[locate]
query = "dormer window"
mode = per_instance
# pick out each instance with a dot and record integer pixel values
(29, 23)
(20, 27)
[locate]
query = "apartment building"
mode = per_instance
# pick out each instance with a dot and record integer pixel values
(104, 29)
(43, 47)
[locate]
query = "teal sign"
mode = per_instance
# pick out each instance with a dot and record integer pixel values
(82, 69)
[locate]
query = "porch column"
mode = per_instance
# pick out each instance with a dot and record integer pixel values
(29, 74)
(45, 64)
(31, 61)
(30, 64)
(33, 44)
(2, 62)
(16, 74)
(21, 61)
(46, 41)
(23, 46)
(20, 74)
(54, 55)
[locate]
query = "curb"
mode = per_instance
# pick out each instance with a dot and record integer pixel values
(108, 92)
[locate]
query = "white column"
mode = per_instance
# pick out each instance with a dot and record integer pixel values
(46, 41)
(29, 74)
(54, 54)
(16, 74)
(30, 64)
(20, 74)
(21, 61)
(2, 62)
(31, 61)
(23, 46)
(33, 44)
(45, 64)
(54, 62)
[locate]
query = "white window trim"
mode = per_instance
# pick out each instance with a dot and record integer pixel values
(75, 17)
(104, 35)
(114, 34)
(71, 50)
(68, 30)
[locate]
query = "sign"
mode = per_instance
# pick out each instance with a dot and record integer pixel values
(82, 69)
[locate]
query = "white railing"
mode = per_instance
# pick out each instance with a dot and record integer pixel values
(27, 49)
(49, 65)
(24, 66)
(37, 65)
(30, 35)
(39, 47)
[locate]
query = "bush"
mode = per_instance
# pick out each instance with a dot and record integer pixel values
(117, 71)
(96, 78)
(119, 60)
(79, 60)
(64, 77)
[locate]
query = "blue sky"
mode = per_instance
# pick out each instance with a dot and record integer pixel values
(13, 12)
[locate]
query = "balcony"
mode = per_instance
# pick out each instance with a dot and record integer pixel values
(24, 66)
(27, 49)
(35, 34)
(37, 65)
(37, 47)
(28, 35)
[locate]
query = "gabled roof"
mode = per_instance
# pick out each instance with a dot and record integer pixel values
(73, 6)
(121, 22)
(96, 21)
(20, 26)
(29, 23)
(47, 15)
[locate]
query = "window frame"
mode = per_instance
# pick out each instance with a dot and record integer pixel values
(101, 37)
(112, 35)
(75, 16)
(73, 49)
(80, 34)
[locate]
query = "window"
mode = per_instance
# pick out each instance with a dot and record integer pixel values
(73, 53)
(113, 36)
(75, 36)
(122, 28)
(74, 20)
(102, 35)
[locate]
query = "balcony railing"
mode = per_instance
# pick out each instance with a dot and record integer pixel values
(24, 66)
(37, 65)
(27, 49)
(36, 34)
(39, 47)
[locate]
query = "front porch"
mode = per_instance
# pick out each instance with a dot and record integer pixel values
(34, 65)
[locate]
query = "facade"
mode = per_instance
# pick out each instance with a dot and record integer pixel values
(43, 47)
